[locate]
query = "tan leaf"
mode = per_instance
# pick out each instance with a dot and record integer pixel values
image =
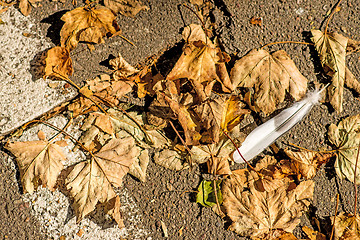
(122, 68)
(307, 163)
(255, 212)
(127, 8)
(58, 61)
(277, 235)
(92, 180)
(139, 167)
(41, 135)
(39, 162)
(112, 208)
(170, 159)
(271, 75)
(313, 235)
(86, 24)
(331, 48)
(219, 166)
(347, 226)
(346, 137)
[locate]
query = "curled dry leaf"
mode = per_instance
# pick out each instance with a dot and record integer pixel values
(39, 162)
(92, 181)
(271, 75)
(198, 62)
(346, 137)
(122, 68)
(58, 61)
(313, 235)
(331, 48)
(307, 163)
(257, 213)
(87, 24)
(347, 226)
(127, 8)
(139, 167)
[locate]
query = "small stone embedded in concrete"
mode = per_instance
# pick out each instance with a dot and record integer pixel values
(24, 95)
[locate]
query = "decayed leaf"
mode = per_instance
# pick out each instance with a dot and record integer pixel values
(38, 161)
(127, 8)
(313, 235)
(331, 48)
(92, 180)
(122, 68)
(88, 25)
(347, 226)
(198, 62)
(206, 193)
(346, 138)
(219, 166)
(271, 75)
(307, 163)
(256, 212)
(26, 5)
(58, 60)
(277, 235)
(351, 81)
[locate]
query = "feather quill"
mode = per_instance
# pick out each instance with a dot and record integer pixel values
(265, 134)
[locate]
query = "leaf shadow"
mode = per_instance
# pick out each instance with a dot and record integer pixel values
(37, 65)
(17, 170)
(56, 24)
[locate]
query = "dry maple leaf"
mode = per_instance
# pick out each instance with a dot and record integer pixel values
(87, 24)
(347, 226)
(171, 159)
(331, 48)
(346, 137)
(257, 213)
(26, 5)
(92, 181)
(58, 60)
(198, 62)
(271, 75)
(307, 163)
(38, 161)
(127, 8)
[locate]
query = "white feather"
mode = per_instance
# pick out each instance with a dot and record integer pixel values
(265, 134)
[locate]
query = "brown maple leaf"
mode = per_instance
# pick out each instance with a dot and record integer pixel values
(271, 75)
(39, 162)
(199, 62)
(122, 68)
(127, 8)
(58, 60)
(87, 24)
(256, 212)
(93, 180)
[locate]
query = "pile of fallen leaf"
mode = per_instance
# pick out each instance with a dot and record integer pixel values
(193, 118)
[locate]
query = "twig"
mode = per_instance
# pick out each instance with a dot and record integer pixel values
(356, 164)
(331, 15)
(336, 209)
(202, 23)
(273, 43)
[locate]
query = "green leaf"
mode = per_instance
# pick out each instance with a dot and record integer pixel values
(206, 193)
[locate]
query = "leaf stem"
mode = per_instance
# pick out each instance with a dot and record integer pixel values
(273, 43)
(355, 186)
(336, 209)
(182, 140)
(237, 149)
(331, 15)
(216, 196)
